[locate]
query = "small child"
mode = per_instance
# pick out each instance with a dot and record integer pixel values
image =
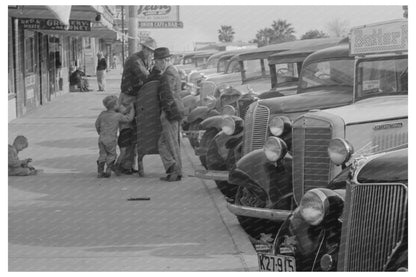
(107, 125)
(19, 167)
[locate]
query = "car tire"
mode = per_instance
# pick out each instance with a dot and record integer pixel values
(205, 141)
(227, 189)
(193, 139)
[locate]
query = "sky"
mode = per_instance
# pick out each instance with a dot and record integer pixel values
(202, 22)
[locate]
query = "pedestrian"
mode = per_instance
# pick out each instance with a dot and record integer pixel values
(135, 72)
(19, 167)
(172, 112)
(107, 125)
(101, 71)
(77, 80)
(114, 61)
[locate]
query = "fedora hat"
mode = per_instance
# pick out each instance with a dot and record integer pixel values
(161, 53)
(149, 43)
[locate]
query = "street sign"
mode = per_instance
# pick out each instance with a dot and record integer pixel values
(158, 17)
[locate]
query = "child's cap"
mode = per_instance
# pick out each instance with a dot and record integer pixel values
(110, 101)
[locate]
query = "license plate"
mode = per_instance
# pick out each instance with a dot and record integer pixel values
(281, 263)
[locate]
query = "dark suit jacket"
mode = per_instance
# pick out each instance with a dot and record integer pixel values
(169, 94)
(134, 74)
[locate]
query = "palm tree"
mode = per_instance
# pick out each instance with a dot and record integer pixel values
(283, 31)
(226, 33)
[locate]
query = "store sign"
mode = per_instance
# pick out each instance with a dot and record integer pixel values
(149, 16)
(54, 24)
(379, 38)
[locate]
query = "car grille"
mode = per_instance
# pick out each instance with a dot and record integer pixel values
(375, 222)
(311, 163)
(255, 127)
(243, 105)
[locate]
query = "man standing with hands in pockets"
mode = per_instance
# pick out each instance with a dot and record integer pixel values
(171, 114)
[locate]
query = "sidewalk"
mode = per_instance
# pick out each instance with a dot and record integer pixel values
(65, 219)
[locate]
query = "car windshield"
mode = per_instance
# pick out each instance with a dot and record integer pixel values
(328, 73)
(233, 66)
(382, 77)
(212, 63)
(253, 69)
(287, 72)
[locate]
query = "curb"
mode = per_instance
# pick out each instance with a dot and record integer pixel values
(243, 247)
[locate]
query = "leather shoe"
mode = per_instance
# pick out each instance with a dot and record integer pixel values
(171, 178)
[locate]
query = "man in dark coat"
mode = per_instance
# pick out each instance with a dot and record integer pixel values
(135, 72)
(172, 110)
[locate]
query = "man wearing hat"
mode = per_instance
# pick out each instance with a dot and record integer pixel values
(135, 72)
(172, 110)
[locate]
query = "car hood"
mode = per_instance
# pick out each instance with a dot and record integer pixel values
(372, 109)
(320, 99)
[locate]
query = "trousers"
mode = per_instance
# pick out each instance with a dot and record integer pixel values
(20, 171)
(169, 147)
(107, 152)
(101, 79)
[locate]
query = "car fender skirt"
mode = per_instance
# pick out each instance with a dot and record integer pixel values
(264, 213)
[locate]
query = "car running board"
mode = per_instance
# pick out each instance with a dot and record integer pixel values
(216, 175)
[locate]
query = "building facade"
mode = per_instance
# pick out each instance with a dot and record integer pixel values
(42, 49)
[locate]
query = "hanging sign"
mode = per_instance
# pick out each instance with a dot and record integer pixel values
(55, 24)
(149, 16)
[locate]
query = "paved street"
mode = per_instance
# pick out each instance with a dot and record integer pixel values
(65, 219)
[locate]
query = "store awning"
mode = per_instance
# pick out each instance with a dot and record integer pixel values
(101, 20)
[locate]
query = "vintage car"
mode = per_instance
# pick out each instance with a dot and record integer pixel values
(255, 77)
(358, 222)
(225, 149)
(269, 179)
(194, 60)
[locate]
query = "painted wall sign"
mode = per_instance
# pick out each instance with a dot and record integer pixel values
(379, 38)
(54, 24)
(152, 16)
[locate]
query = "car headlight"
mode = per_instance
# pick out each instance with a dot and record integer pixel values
(209, 101)
(312, 206)
(274, 149)
(228, 110)
(228, 125)
(340, 151)
(277, 126)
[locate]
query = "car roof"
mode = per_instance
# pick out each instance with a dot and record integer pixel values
(226, 54)
(340, 51)
(303, 49)
(205, 53)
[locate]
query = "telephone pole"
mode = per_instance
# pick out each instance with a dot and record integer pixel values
(132, 29)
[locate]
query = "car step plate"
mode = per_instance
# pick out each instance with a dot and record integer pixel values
(212, 174)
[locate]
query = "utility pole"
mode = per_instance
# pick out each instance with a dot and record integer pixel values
(122, 37)
(132, 29)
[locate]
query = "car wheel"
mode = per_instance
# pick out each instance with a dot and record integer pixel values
(227, 189)
(254, 227)
(193, 138)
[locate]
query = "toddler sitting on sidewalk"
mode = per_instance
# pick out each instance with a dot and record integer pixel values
(19, 167)
(107, 125)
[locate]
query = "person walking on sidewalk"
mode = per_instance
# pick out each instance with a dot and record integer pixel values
(101, 71)
(107, 125)
(172, 110)
(135, 72)
(19, 167)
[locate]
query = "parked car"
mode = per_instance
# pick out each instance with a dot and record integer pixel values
(255, 78)
(271, 183)
(357, 223)
(194, 60)
(226, 148)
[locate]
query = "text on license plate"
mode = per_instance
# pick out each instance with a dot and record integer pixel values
(276, 262)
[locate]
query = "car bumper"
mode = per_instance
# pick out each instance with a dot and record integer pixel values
(264, 213)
